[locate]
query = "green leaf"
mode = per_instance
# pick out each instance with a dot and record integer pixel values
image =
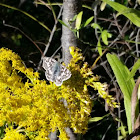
(122, 129)
(95, 25)
(63, 23)
(109, 35)
(96, 119)
(78, 20)
(134, 69)
(88, 21)
(99, 47)
(104, 36)
(121, 72)
(132, 14)
(19, 36)
(103, 5)
(74, 18)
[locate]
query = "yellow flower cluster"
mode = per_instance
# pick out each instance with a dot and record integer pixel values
(86, 77)
(13, 134)
(39, 108)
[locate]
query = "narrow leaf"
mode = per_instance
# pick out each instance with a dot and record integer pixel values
(109, 35)
(121, 72)
(99, 47)
(74, 18)
(134, 69)
(95, 25)
(104, 36)
(96, 119)
(63, 23)
(103, 5)
(78, 20)
(88, 21)
(122, 129)
(132, 14)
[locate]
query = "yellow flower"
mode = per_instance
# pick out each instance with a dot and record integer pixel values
(86, 76)
(13, 134)
(40, 108)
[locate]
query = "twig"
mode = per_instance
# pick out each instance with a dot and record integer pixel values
(137, 40)
(105, 51)
(134, 102)
(116, 22)
(11, 26)
(136, 132)
(44, 4)
(51, 36)
(106, 132)
(95, 21)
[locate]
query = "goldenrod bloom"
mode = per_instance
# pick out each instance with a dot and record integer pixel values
(39, 108)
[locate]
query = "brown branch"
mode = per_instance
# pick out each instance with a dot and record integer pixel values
(11, 26)
(135, 133)
(134, 102)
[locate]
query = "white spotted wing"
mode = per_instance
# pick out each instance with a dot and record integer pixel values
(55, 72)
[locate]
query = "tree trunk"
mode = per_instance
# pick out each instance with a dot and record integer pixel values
(70, 9)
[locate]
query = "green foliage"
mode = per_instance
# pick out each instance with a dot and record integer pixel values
(95, 25)
(123, 131)
(78, 23)
(122, 73)
(63, 23)
(106, 26)
(16, 39)
(132, 14)
(96, 119)
(37, 107)
(2, 128)
(78, 20)
(88, 21)
(136, 66)
(104, 35)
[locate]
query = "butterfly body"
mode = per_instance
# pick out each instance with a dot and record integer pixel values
(55, 72)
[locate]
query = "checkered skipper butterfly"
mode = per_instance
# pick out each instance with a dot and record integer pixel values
(55, 72)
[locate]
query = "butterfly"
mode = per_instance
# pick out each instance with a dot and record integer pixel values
(55, 71)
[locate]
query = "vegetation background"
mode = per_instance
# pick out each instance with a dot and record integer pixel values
(107, 32)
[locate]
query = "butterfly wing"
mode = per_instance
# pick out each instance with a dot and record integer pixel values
(58, 81)
(64, 74)
(49, 76)
(48, 64)
(55, 72)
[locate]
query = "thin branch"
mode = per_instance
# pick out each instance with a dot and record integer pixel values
(117, 38)
(95, 21)
(44, 3)
(51, 36)
(135, 133)
(11, 26)
(106, 131)
(134, 102)
(137, 40)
